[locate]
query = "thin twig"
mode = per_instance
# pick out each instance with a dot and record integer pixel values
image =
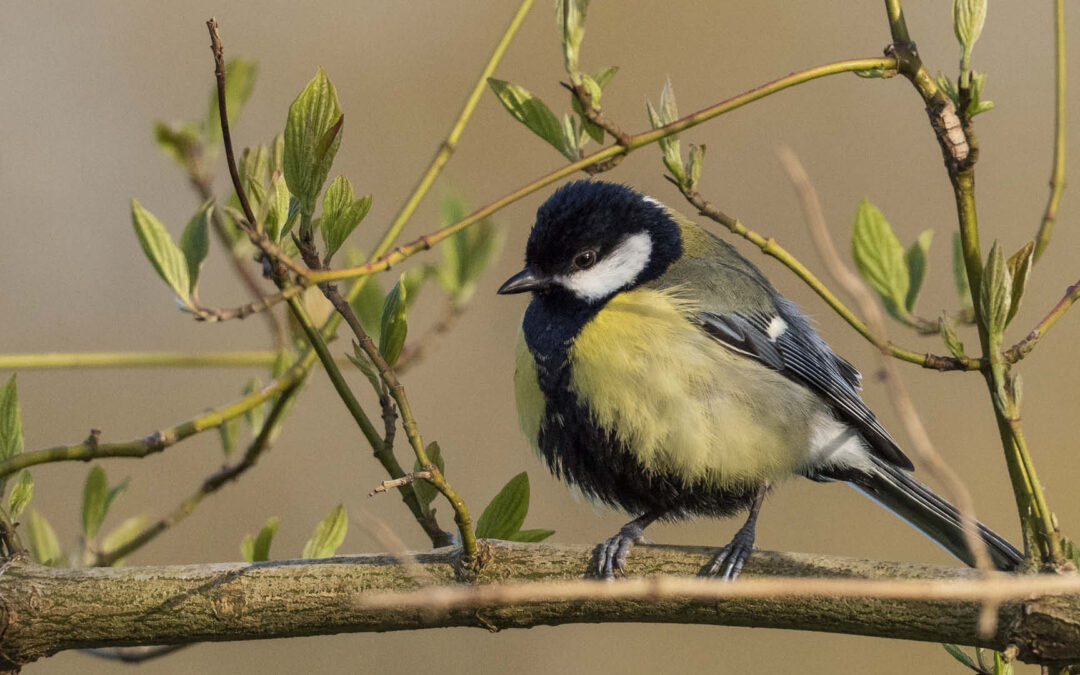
(415, 351)
(1057, 175)
(1024, 347)
(210, 485)
(407, 479)
(51, 360)
(898, 394)
(393, 545)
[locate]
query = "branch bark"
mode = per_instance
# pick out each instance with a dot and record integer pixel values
(46, 610)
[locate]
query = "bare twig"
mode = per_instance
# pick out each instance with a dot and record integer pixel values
(388, 539)
(407, 479)
(1024, 347)
(1057, 175)
(898, 394)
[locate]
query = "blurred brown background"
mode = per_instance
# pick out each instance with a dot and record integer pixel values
(82, 83)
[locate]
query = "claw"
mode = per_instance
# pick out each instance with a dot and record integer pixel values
(729, 561)
(612, 555)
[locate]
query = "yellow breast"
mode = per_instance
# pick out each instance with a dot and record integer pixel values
(680, 402)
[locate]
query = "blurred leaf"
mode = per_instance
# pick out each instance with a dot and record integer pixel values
(328, 536)
(180, 142)
(166, 257)
(949, 87)
(879, 257)
(505, 514)
(531, 536)
(1001, 666)
(282, 362)
(228, 431)
(95, 494)
(122, 535)
(312, 137)
(1071, 551)
(11, 431)
(425, 491)
(570, 19)
(1019, 265)
(996, 292)
(916, 259)
(257, 549)
(534, 113)
(44, 546)
(958, 654)
(361, 360)
(603, 76)
(239, 83)
(21, 494)
(976, 105)
(394, 325)
(195, 243)
(254, 167)
(466, 253)
(963, 289)
(949, 336)
(697, 157)
(669, 145)
(255, 414)
(277, 207)
(341, 214)
(277, 155)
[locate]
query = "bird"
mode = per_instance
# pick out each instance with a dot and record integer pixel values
(659, 372)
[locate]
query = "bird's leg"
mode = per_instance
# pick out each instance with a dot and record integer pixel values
(729, 561)
(613, 552)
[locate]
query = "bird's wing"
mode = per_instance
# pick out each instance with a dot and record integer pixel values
(784, 341)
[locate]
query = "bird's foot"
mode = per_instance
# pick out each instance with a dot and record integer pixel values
(612, 554)
(728, 562)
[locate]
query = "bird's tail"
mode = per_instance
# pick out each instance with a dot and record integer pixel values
(895, 489)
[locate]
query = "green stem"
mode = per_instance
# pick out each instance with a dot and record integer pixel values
(1057, 176)
(636, 142)
(157, 441)
(237, 359)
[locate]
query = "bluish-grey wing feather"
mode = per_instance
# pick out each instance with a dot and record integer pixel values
(798, 352)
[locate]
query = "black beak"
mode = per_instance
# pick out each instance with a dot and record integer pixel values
(523, 282)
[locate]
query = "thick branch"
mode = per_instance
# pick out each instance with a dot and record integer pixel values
(47, 610)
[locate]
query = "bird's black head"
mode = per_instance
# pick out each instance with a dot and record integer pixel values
(594, 239)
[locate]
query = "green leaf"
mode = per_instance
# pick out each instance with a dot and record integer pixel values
(181, 143)
(669, 145)
(531, 536)
(44, 546)
(425, 491)
(255, 414)
(122, 535)
(595, 131)
(960, 278)
(21, 494)
(195, 243)
(239, 83)
(505, 514)
(603, 76)
(968, 19)
(360, 359)
(1001, 666)
(11, 431)
(976, 105)
(995, 294)
(228, 431)
(254, 168)
(166, 257)
(277, 207)
(879, 257)
(312, 137)
(570, 19)
(277, 155)
(949, 336)
(1019, 265)
(534, 113)
(257, 549)
(1071, 551)
(341, 214)
(917, 262)
(960, 656)
(328, 536)
(394, 326)
(697, 157)
(95, 494)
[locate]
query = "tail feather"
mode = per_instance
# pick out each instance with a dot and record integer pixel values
(932, 515)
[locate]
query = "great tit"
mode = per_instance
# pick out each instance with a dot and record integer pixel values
(660, 372)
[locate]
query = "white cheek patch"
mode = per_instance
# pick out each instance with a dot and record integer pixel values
(613, 272)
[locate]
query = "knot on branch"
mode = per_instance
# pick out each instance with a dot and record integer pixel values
(950, 134)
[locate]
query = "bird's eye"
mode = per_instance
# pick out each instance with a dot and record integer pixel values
(585, 259)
